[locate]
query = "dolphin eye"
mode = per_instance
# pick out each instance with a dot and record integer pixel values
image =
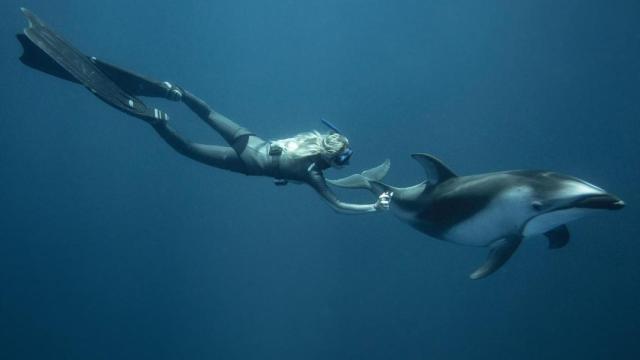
(537, 205)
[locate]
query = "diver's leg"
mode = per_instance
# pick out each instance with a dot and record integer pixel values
(140, 85)
(222, 157)
(251, 149)
(228, 129)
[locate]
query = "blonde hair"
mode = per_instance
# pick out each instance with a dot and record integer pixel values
(313, 143)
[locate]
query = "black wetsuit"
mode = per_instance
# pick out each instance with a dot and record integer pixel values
(248, 154)
(251, 155)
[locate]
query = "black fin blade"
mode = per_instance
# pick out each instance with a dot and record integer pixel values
(558, 237)
(82, 69)
(130, 82)
(435, 169)
(36, 58)
(500, 252)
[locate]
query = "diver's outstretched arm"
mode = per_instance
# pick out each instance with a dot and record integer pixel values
(316, 180)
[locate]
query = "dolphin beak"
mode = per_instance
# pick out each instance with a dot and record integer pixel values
(601, 202)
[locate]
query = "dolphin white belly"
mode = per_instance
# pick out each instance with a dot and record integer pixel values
(545, 222)
(504, 216)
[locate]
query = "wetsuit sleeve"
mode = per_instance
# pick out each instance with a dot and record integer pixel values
(316, 180)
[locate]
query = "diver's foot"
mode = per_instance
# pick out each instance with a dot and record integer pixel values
(174, 93)
(155, 118)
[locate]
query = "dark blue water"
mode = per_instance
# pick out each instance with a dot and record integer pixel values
(113, 246)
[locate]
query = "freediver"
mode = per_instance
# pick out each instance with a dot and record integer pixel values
(300, 159)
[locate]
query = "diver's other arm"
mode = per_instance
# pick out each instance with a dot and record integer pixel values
(316, 180)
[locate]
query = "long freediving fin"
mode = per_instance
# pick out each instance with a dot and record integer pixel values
(130, 82)
(35, 58)
(500, 252)
(133, 83)
(75, 66)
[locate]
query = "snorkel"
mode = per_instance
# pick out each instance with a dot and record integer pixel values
(341, 159)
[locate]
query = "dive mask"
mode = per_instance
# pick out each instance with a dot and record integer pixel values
(342, 158)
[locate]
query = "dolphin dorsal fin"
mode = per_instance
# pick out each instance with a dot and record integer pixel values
(435, 170)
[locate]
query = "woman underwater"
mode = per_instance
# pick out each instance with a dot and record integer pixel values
(302, 158)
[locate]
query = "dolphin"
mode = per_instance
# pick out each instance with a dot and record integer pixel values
(496, 210)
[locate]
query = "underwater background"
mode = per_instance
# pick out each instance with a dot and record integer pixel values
(113, 246)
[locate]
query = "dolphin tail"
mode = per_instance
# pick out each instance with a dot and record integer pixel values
(368, 179)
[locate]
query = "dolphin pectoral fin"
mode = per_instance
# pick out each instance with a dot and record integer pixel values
(558, 237)
(435, 169)
(500, 252)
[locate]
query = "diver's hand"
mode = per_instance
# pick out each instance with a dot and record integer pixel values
(384, 200)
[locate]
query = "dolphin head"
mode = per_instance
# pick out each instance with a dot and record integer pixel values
(557, 199)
